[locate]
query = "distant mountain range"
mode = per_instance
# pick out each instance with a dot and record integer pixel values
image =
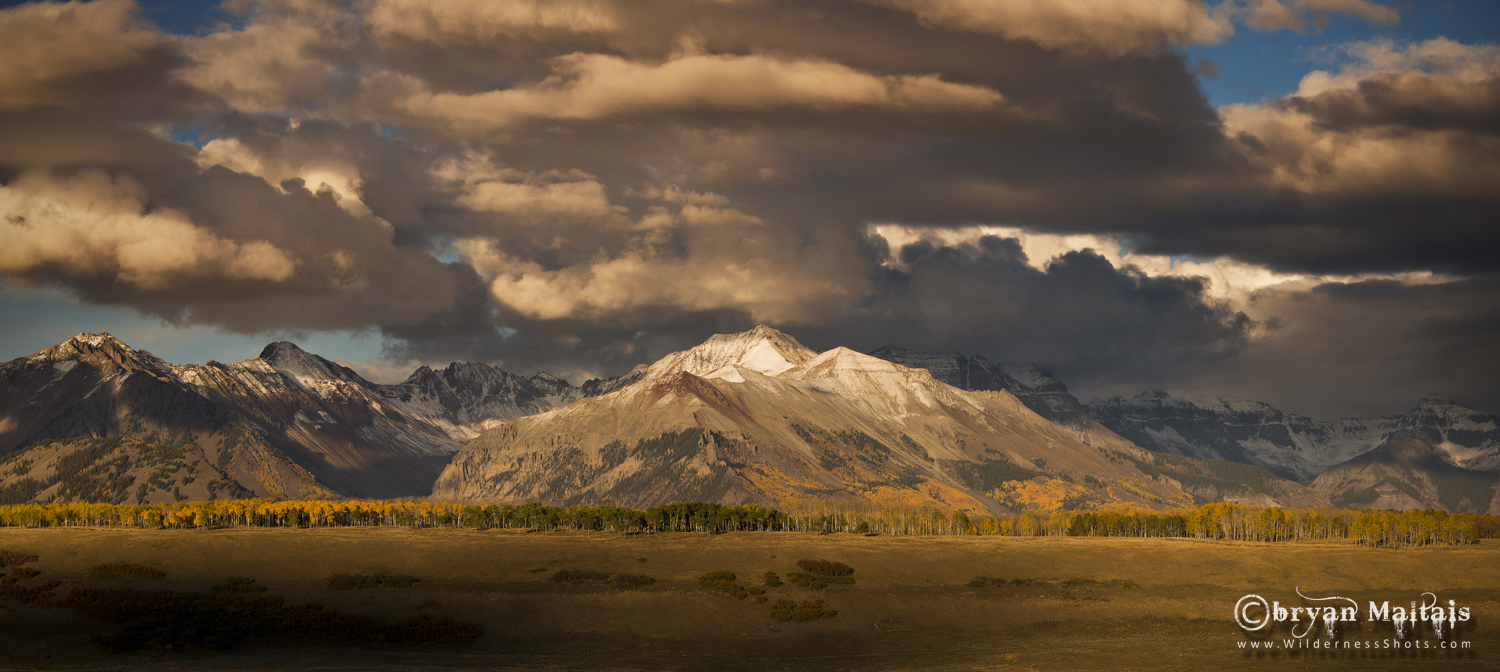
(286, 424)
(748, 417)
(1342, 459)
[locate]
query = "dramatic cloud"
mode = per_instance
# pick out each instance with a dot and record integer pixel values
(95, 225)
(479, 21)
(592, 86)
(1418, 119)
(583, 185)
(1302, 14)
(61, 53)
(1113, 26)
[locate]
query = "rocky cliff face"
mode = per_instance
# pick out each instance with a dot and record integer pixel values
(757, 417)
(1290, 446)
(463, 397)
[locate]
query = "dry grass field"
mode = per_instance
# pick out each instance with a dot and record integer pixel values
(1106, 603)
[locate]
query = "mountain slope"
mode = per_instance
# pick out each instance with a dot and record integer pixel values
(286, 424)
(1041, 393)
(1410, 470)
(757, 417)
(462, 397)
(329, 420)
(1291, 446)
(93, 386)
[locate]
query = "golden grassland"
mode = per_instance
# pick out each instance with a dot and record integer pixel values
(1131, 603)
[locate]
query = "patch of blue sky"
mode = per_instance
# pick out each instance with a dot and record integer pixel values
(192, 134)
(1257, 66)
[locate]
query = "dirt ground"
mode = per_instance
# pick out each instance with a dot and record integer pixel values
(1121, 604)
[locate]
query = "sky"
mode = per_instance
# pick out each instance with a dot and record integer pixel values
(1292, 201)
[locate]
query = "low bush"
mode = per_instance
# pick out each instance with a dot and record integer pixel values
(815, 582)
(23, 573)
(578, 577)
(627, 581)
(788, 610)
(13, 592)
(724, 581)
(8, 558)
(223, 619)
(376, 580)
(825, 568)
(237, 585)
(121, 570)
(772, 581)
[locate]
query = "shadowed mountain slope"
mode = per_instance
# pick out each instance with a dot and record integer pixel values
(1410, 470)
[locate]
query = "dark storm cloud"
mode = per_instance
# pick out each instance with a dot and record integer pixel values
(1077, 315)
(1361, 349)
(581, 185)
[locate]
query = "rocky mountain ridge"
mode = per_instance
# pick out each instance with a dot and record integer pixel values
(758, 417)
(295, 423)
(1292, 446)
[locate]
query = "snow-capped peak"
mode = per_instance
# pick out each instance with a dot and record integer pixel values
(99, 340)
(762, 349)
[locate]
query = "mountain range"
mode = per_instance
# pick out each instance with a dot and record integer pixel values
(1363, 462)
(285, 424)
(749, 417)
(758, 417)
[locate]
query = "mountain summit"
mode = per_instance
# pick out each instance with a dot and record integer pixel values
(759, 417)
(763, 350)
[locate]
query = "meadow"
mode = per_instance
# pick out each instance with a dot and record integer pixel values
(582, 600)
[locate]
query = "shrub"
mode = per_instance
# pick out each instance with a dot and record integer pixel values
(223, 620)
(26, 594)
(13, 558)
(376, 580)
(122, 570)
(237, 585)
(825, 568)
(626, 581)
(578, 576)
(812, 582)
(723, 581)
(23, 573)
(772, 581)
(787, 610)
(622, 581)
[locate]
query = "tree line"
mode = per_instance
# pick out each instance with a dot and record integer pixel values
(1219, 520)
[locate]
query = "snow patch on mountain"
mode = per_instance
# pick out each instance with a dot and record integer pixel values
(1288, 445)
(762, 349)
(1038, 390)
